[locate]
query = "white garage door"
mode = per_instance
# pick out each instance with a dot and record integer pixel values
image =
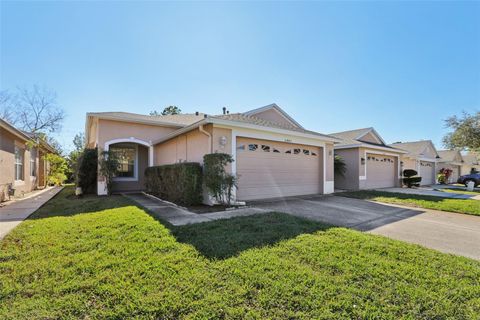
(269, 169)
(427, 172)
(380, 171)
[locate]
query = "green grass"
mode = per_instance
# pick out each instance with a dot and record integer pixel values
(461, 191)
(106, 258)
(466, 206)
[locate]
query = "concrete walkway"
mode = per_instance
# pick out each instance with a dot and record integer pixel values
(178, 216)
(443, 231)
(13, 213)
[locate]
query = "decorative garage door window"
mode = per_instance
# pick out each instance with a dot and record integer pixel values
(253, 147)
(426, 164)
(381, 159)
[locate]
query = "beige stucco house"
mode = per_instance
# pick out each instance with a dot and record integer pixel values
(422, 157)
(451, 159)
(22, 168)
(470, 161)
(370, 162)
(274, 156)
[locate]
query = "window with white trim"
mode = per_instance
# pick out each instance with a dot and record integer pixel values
(33, 162)
(126, 155)
(19, 163)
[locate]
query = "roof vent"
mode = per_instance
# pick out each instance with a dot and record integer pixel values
(224, 110)
(196, 113)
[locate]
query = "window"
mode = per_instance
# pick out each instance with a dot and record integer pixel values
(313, 153)
(306, 152)
(296, 151)
(241, 147)
(33, 162)
(252, 147)
(288, 151)
(18, 163)
(275, 150)
(126, 155)
(265, 148)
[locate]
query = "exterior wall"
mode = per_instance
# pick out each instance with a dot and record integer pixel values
(466, 169)
(8, 142)
(370, 138)
(93, 136)
(409, 163)
(139, 184)
(350, 180)
(190, 147)
(217, 134)
(273, 116)
(455, 169)
(110, 130)
(329, 164)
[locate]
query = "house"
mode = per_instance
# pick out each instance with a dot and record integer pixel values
(22, 166)
(274, 156)
(422, 157)
(471, 161)
(370, 162)
(450, 159)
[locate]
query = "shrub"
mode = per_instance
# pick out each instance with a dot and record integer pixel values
(108, 166)
(218, 182)
(410, 179)
(443, 175)
(57, 169)
(179, 183)
(86, 175)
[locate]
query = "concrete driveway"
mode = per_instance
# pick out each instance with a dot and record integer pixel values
(447, 232)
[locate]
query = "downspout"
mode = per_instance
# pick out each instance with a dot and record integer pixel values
(202, 130)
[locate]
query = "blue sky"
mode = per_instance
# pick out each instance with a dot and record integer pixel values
(399, 67)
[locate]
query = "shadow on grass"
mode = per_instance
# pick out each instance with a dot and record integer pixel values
(225, 238)
(372, 194)
(65, 203)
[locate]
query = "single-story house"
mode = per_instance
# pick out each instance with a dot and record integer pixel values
(422, 157)
(274, 156)
(470, 161)
(370, 162)
(22, 164)
(451, 159)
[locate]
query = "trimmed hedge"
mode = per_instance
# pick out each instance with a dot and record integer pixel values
(180, 183)
(410, 179)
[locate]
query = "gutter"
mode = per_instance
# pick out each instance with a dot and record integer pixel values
(208, 135)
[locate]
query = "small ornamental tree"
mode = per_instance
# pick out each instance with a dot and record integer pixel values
(57, 169)
(443, 175)
(410, 179)
(108, 167)
(339, 165)
(218, 182)
(86, 173)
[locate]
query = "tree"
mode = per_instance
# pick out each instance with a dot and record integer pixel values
(466, 132)
(6, 107)
(108, 165)
(74, 156)
(167, 111)
(58, 167)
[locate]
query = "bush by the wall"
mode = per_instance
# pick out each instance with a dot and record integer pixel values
(410, 179)
(180, 183)
(218, 182)
(87, 170)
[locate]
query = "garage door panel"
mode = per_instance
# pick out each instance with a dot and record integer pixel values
(427, 172)
(380, 174)
(277, 174)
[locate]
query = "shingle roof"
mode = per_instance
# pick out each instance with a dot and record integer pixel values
(177, 119)
(471, 159)
(415, 147)
(448, 155)
(350, 138)
(239, 117)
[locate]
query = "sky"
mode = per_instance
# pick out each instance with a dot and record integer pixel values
(400, 67)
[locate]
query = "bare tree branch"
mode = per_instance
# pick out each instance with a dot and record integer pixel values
(6, 107)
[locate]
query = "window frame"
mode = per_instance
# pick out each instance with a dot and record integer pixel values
(135, 161)
(21, 152)
(33, 160)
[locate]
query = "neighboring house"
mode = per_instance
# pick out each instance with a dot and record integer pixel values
(22, 168)
(421, 157)
(274, 156)
(451, 159)
(470, 161)
(370, 162)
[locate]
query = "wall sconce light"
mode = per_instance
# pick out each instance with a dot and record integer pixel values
(362, 161)
(223, 141)
(401, 163)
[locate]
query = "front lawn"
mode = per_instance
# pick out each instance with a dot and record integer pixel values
(106, 258)
(466, 206)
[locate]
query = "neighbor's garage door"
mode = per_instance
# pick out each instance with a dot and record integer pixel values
(380, 171)
(269, 169)
(427, 172)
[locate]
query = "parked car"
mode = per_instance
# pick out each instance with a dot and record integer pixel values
(475, 177)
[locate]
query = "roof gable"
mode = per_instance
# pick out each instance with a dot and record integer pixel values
(422, 148)
(359, 136)
(273, 113)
